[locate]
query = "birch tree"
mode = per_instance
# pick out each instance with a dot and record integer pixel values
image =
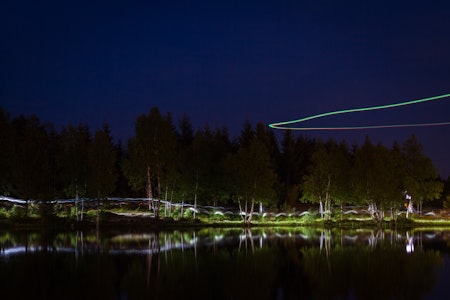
(151, 156)
(328, 176)
(254, 177)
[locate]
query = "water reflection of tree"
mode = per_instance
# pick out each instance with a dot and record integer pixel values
(363, 272)
(285, 267)
(43, 275)
(221, 275)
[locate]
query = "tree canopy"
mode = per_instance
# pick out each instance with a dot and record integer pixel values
(209, 167)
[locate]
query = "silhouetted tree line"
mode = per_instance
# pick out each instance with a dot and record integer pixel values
(206, 166)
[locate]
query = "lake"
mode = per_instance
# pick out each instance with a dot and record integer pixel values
(284, 263)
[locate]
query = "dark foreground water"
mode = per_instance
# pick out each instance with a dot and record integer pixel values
(301, 263)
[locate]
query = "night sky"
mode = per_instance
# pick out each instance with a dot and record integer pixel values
(225, 62)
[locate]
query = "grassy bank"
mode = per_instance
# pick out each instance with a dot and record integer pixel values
(144, 220)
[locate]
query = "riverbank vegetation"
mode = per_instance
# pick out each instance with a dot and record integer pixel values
(136, 216)
(168, 163)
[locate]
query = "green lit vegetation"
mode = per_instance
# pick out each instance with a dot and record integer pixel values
(113, 216)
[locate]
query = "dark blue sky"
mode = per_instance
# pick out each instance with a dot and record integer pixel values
(222, 62)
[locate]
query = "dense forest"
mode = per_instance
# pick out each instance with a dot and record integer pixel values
(207, 166)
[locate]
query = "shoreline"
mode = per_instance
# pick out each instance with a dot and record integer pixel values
(112, 221)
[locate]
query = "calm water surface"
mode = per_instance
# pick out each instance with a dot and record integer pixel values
(300, 263)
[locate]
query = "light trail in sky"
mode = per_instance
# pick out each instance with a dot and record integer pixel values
(285, 125)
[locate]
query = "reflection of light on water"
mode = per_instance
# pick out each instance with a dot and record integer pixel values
(304, 236)
(409, 243)
(14, 250)
(218, 238)
(325, 240)
(409, 247)
(430, 236)
(22, 249)
(375, 237)
(242, 237)
(132, 237)
(351, 238)
(193, 241)
(184, 240)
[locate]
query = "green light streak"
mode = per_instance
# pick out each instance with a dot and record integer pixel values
(363, 127)
(282, 125)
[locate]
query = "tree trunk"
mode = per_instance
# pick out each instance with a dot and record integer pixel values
(246, 209)
(158, 182)
(328, 199)
(149, 188)
(98, 215)
(97, 221)
(249, 220)
(321, 210)
(182, 206)
(171, 199)
(195, 195)
(76, 202)
(240, 211)
(165, 199)
(82, 209)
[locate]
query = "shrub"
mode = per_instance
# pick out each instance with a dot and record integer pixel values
(309, 217)
(17, 212)
(218, 216)
(188, 214)
(4, 214)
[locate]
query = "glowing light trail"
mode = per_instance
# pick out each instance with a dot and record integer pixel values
(283, 125)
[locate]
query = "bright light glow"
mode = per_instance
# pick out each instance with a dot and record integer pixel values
(284, 125)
